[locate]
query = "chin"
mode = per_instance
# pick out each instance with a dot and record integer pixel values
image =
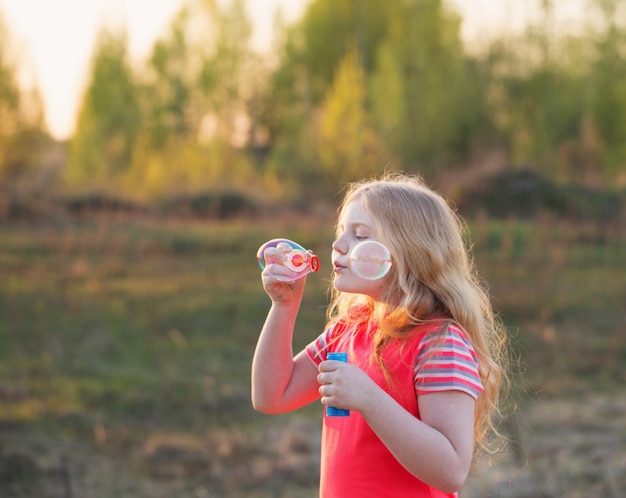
(357, 286)
(344, 285)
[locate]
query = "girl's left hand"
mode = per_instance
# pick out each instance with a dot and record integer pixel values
(345, 386)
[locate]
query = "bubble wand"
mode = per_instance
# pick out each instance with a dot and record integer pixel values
(290, 254)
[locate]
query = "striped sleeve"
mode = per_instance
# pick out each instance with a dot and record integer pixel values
(447, 363)
(317, 350)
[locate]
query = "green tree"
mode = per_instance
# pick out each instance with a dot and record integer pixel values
(171, 104)
(606, 87)
(419, 101)
(195, 94)
(285, 113)
(302, 90)
(331, 28)
(109, 117)
(201, 67)
(387, 97)
(559, 100)
(538, 101)
(22, 131)
(9, 90)
(437, 118)
(349, 148)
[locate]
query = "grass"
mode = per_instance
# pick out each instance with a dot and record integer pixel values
(125, 347)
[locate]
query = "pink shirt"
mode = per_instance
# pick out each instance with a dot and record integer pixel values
(354, 461)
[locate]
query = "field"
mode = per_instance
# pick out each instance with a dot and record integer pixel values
(126, 342)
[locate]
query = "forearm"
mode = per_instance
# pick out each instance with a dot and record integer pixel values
(423, 450)
(272, 365)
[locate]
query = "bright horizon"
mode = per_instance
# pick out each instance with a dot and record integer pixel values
(41, 30)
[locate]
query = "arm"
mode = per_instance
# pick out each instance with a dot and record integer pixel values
(280, 382)
(436, 449)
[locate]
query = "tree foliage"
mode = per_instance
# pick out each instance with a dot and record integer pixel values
(22, 133)
(9, 90)
(428, 48)
(349, 147)
(352, 88)
(410, 76)
(108, 122)
(606, 87)
(561, 100)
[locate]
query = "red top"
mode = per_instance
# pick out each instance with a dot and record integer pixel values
(354, 461)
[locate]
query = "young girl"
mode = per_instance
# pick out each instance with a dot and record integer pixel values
(423, 372)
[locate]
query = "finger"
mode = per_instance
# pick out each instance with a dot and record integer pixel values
(326, 395)
(330, 365)
(270, 279)
(280, 272)
(273, 255)
(325, 366)
(274, 269)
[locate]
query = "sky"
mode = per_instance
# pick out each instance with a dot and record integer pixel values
(55, 38)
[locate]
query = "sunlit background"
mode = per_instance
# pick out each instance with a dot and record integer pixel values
(42, 30)
(147, 149)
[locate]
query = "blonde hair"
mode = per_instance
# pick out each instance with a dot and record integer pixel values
(432, 277)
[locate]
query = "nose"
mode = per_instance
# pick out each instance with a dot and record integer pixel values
(340, 246)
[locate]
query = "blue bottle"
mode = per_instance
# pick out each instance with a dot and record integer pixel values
(331, 411)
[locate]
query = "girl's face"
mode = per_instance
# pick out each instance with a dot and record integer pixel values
(355, 225)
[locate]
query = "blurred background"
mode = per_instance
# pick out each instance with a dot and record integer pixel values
(147, 149)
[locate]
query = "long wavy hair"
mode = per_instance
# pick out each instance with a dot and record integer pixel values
(432, 276)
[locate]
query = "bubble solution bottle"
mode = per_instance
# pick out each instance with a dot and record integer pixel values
(331, 411)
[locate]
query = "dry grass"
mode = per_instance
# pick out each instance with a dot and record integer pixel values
(125, 348)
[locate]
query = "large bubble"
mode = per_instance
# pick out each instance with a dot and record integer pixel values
(370, 260)
(289, 254)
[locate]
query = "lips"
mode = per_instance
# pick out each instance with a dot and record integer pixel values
(337, 267)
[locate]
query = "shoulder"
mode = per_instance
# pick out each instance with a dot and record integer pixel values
(318, 349)
(446, 360)
(444, 334)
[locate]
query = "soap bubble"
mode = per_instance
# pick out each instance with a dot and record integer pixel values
(370, 260)
(289, 254)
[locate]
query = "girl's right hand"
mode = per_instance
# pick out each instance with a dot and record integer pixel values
(281, 284)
